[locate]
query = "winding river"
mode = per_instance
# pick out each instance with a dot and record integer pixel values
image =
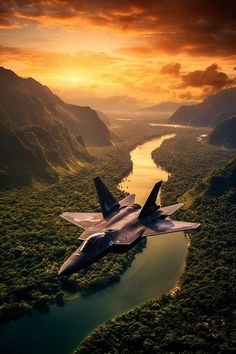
(154, 271)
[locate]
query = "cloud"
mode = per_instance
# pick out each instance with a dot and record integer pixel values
(135, 51)
(171, 69)
(94, 74)
(6, 15)
(173, 26)
(57, 60)
(211, 79)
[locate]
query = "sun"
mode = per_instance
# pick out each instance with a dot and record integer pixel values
(74, 79)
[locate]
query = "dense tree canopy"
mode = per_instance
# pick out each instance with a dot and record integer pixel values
(35, 240)
(199, 317)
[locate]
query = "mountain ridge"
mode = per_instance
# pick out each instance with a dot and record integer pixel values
(165, 107)
(210, 112)
(42, 137)
(34, 103)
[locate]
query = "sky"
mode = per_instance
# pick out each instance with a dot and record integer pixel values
(120, 54)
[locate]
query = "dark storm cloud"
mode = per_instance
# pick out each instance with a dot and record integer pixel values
(171, 69)
(211, 77)
(6, 13)
(194, 27)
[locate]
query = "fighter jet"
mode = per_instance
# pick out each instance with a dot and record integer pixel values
(119, 226)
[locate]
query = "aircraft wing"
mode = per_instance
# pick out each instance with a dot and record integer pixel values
(167, 226)
(169, 210)
(83, 220)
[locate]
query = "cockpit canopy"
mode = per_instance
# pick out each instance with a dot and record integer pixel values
(91, 241)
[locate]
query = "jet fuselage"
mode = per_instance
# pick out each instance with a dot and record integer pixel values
(122, 228)
(119, 225)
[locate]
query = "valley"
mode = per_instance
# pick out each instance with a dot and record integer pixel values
(137, 284)
(32, 251)
(36, 240)
(117, 177)
(199, 316)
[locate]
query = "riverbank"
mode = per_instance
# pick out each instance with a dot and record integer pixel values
(35, 241)
(199, 317)
(136, 285)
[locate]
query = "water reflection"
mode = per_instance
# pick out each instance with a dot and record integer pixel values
(145, 172)
(154, 271)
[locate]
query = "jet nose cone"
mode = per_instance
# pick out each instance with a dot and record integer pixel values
(71, 265)
(62, 270)
(68, 267)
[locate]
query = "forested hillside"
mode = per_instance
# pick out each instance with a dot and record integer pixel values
(198, 318)
(34, 153)
(225, 133)
(41, 136)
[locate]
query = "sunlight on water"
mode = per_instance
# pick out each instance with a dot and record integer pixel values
(145, 172)
(153, 272)
(170, 125)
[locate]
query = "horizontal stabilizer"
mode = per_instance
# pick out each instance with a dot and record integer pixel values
(107, 202)
(83, 220)
(150, 206)
(169, 210)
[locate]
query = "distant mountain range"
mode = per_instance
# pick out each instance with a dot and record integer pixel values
(211, 111)
(224, 133)
(40, 134)
(166, 107)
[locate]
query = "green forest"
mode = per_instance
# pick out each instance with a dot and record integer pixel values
(198, 318)
(35, 240)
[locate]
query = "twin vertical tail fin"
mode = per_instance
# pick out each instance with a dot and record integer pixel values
(107, 201)
(150, 206)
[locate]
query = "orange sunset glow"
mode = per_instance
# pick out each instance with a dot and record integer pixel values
(121, 54)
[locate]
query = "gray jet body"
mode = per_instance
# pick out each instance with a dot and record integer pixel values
(120, 225)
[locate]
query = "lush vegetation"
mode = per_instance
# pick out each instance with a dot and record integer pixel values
(188, 161)
(199, 317)
(35, 240)
(32, 153)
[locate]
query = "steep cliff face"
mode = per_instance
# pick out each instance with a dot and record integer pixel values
(211, 111)
(224, 133)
